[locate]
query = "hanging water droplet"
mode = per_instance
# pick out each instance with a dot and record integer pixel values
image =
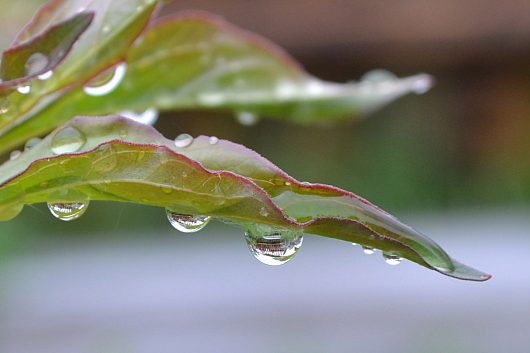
(107, 82)
(68, 211)
(187, 223)
(14, 155)
(183, 140)
(24, 89)
(273, 246)
(149, 117)
(45, 76)
(32, 142)
(392, 259)
(354, 244)
(368, 250)
(36, 63)
(213, 140)
(378, 76)
(247, 118)
(67, 140)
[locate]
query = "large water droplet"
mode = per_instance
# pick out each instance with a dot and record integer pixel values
(14, 155)
(187, 223)
(149, 117)
(36, 63)
(67, 140)
(392, 259)
(107, 82)
(368, 250)
(273, 246)
(247, 118)
(24, 89)
(68, 211)
(183, 140)
(32, 142)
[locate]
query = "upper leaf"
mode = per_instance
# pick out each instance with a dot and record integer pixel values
(42, 53)
(198, 61)
(113, 158)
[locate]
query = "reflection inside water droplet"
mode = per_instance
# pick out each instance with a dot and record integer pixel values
(183, 140)
(187, 223)
(68, 211)
(67, 140)
(106, 82)
(45, 76)
(273, 246)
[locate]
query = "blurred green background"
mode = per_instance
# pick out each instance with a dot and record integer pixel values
(453, 162)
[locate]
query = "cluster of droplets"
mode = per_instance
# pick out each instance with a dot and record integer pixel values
(390, 258)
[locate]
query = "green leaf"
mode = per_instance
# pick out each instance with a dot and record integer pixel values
(116, 25)
(42, 53)
(114, 158)
(198, 61)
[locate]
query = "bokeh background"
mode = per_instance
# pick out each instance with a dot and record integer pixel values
(454, 163)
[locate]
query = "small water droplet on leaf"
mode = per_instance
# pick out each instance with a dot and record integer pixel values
(183, 140)
(14, 155)
(36, 63)
(67, 140)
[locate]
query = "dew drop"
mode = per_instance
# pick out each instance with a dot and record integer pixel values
(107, 82)
(4, 106)
(187, 223)
(273, 246)
(45, 76)
(422, 84)
(378, 76)
(368, 250)
(14, 155)
(36, 63)
(24, 89)
(247, 118)
(149, 117)
(354, 244)
(183, 140)
(392, 259)
(67, 140)
(68, 211)
(213, 140)
(32, 142)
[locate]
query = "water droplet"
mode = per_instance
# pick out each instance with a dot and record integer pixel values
(378, 76)
(263, 211)
(106, 82)
(273, 246)
(14, 155)
(68, 211)
(368, 250)
(422, 84)
(167, 190)
(45, 76)
(123, 134)
(36, 63)
(67, 140)
(354, 244)
(287, 183)
(24, 89)
(32, 142)
(392, 259)
(213, 140)
(4, 106)
(187, 223)
(183, 140)
(247, 118)
(149, 117)
(106, 29)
